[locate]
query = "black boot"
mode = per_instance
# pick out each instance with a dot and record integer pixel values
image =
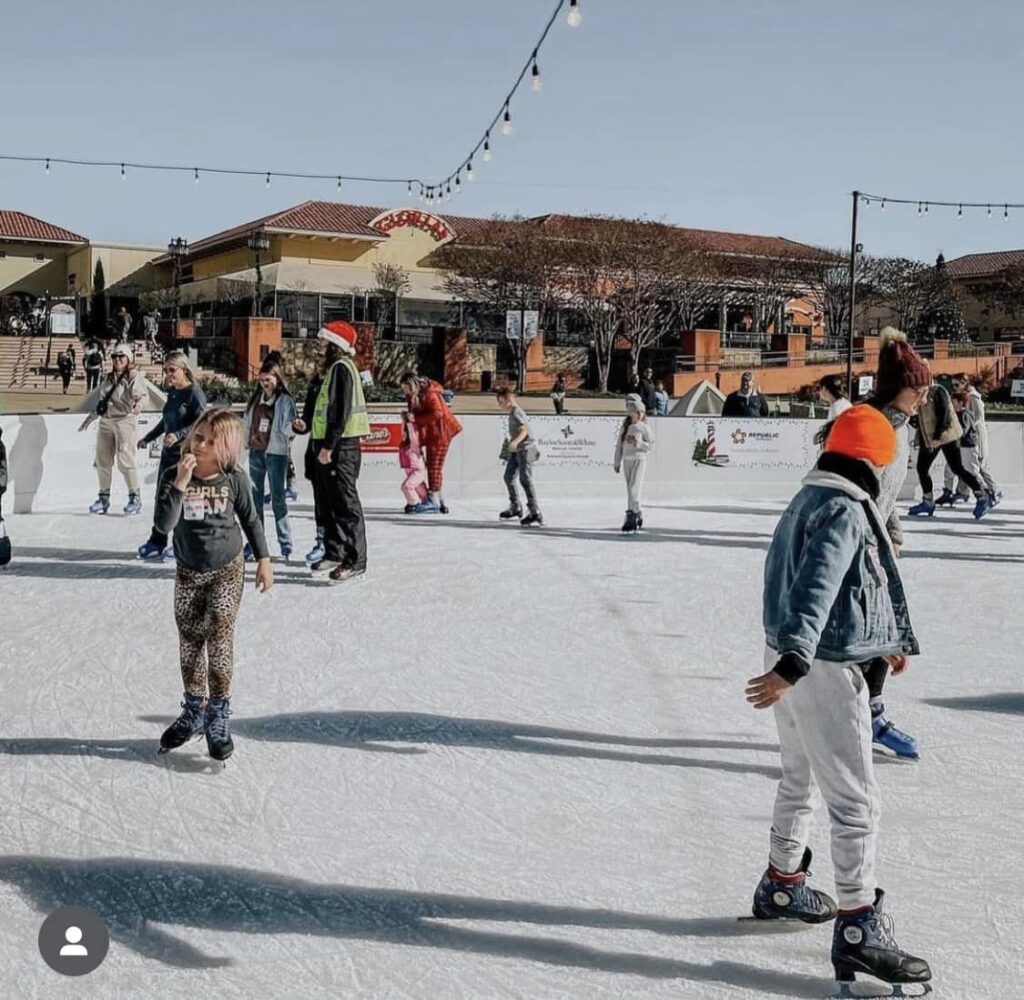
(863, 942)
(630, 523)
(186, 725)
(534, 518)
(218, 737)
(512, 513)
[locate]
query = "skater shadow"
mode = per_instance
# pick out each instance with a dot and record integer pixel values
(83, 569)
(975, 557)
(26, 462)
(714, 539)
(367, 730)
(1008, 703)
(137, 751)
(138, 900)
(74, 555)
(775, 512)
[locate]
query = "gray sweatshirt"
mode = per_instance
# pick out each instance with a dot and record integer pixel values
(894, 474)
(205, 519)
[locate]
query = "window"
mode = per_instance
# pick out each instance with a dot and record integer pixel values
(40, 258)
(3, 254)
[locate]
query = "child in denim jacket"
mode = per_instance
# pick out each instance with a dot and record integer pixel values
(833, 599)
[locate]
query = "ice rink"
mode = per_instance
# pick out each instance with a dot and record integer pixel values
(506, 764)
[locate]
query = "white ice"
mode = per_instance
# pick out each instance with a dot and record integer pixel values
(508, 763)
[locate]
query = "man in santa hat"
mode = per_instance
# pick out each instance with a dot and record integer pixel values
(340, 422)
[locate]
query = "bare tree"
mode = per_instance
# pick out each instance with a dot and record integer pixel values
(513, 265)
(391, 282)
(828, 283)
(695, 282)
(1003, 291)
(901, 285)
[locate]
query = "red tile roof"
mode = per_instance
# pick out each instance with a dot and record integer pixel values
(980, 265)
(337, 219)
(19, 226)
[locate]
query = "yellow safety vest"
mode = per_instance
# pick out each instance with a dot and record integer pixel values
(358, 423)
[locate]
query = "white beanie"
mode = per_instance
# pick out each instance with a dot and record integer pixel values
(634, 404)
(124, 349)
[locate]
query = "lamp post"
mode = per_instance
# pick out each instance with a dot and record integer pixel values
(258, 242)
(177, 248)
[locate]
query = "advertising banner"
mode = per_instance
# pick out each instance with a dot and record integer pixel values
(573, 442)
(724, 443)
(384, 436)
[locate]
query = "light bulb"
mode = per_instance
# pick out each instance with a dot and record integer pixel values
(47, 168)
(268, 179)
(408, 189)
(536, 82)
(458, 184)
(960, 211)
(488, 155)
(470, 176)
(195, 175)
(339, 183)
(926, 208)
(448, 192)
(506, 122)
(989, 213)
(919, 208)
(1006, 213)
(575, 18)
(124, 176)
(883, 205)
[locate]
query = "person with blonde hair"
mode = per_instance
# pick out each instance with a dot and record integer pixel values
(184, 405)
(207, 501)
(117, 409)
(634, 441)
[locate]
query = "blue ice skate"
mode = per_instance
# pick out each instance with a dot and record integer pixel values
(218, 735)
(151, 551)
(863, 943)
(775, 899)
(889, 741)
(926, 508)
(291, 495)
(247, 552)
(427, 507)
(995, 499)
(169, 556)
(286, 551)
(100, 505)
(960, 498)
(134, 505)
(982, 507)
(317, 552)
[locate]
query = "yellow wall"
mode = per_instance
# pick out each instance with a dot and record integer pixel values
(21, 272)
(319, 249)
(222, 263)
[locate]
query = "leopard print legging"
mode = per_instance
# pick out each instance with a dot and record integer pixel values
(205, 607)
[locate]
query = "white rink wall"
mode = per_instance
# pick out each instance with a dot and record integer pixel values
(51, 462)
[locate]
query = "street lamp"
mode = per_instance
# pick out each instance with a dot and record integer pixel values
(258, 242)
(177, 248)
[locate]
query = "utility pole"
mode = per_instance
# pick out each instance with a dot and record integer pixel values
(854, 249)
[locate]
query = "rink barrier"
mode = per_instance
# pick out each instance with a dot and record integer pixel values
(51, 462)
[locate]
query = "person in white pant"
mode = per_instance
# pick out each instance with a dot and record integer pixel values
(976, 407)
(970, 448)
(833, 599)
(634, 442)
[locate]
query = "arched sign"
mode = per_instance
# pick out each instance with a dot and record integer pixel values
(404, 218)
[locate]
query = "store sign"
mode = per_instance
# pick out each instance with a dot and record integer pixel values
(751, 444)
(516, 320)
(383, 437)
(414, 218)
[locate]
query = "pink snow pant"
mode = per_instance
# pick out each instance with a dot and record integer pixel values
(415, 486)
(824, 724)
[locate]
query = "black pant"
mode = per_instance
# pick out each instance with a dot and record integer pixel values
(951, 453)
(875, 673)
(343, 524)
(92, 378)
(66, 380)
(309, 471)
(169, 458)
(559, 406)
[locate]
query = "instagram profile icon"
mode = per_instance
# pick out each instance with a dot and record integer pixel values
(73, 940)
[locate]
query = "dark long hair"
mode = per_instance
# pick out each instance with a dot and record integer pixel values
(835, 385)
(271, 368)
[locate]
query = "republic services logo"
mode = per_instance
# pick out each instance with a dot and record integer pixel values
(739, 436)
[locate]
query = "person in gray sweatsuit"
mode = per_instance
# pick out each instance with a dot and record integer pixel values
(833, 599)
(634, 442)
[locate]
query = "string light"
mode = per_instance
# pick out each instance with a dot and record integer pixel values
(408, 189)
(488, 155)
(990, 211)
(339, 183)
(195, 175)
(924, 207)
(448, 192)
(919, 208)
(268, 179)
(458, 184)
(960, 211)
(883, 205)
(124, 176)
(575, 17)
(506, 122)
(47, 168)
(1006, 213)
(535, 82)
(470, 176)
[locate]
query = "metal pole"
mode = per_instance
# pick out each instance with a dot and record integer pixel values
(853, 294)
(522, 347)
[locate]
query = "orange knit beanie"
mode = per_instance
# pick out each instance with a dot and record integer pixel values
(863, 432)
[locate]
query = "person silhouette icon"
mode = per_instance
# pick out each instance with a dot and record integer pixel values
(74, 948)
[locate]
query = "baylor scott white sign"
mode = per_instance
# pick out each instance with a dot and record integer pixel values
(577, 442)
(751, 444)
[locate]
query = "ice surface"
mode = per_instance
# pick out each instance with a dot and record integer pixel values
(507, 763)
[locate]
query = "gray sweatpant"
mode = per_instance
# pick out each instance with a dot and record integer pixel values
(824, 724)
(634, 469)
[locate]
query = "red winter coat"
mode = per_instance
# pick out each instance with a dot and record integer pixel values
(435, 422)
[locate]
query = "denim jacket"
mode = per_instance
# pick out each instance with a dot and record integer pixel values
(281, 432)
(832, 590)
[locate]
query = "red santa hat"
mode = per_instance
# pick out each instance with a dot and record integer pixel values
(341, 334)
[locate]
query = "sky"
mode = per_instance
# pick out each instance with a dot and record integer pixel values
(739, 115)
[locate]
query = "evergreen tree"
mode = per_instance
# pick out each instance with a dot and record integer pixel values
(940, 318)
(98, 302)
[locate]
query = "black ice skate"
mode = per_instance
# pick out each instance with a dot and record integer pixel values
(789, 897)
(533, 519)
(342, 573)
(631, 524)
(218, 738)
(512, 513)
(186, 725)
(863, 942)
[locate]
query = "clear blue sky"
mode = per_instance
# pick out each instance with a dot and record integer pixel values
(744, 115)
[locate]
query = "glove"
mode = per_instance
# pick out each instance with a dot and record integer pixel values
(791, 667)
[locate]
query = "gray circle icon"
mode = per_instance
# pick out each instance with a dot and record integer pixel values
(73, 940)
